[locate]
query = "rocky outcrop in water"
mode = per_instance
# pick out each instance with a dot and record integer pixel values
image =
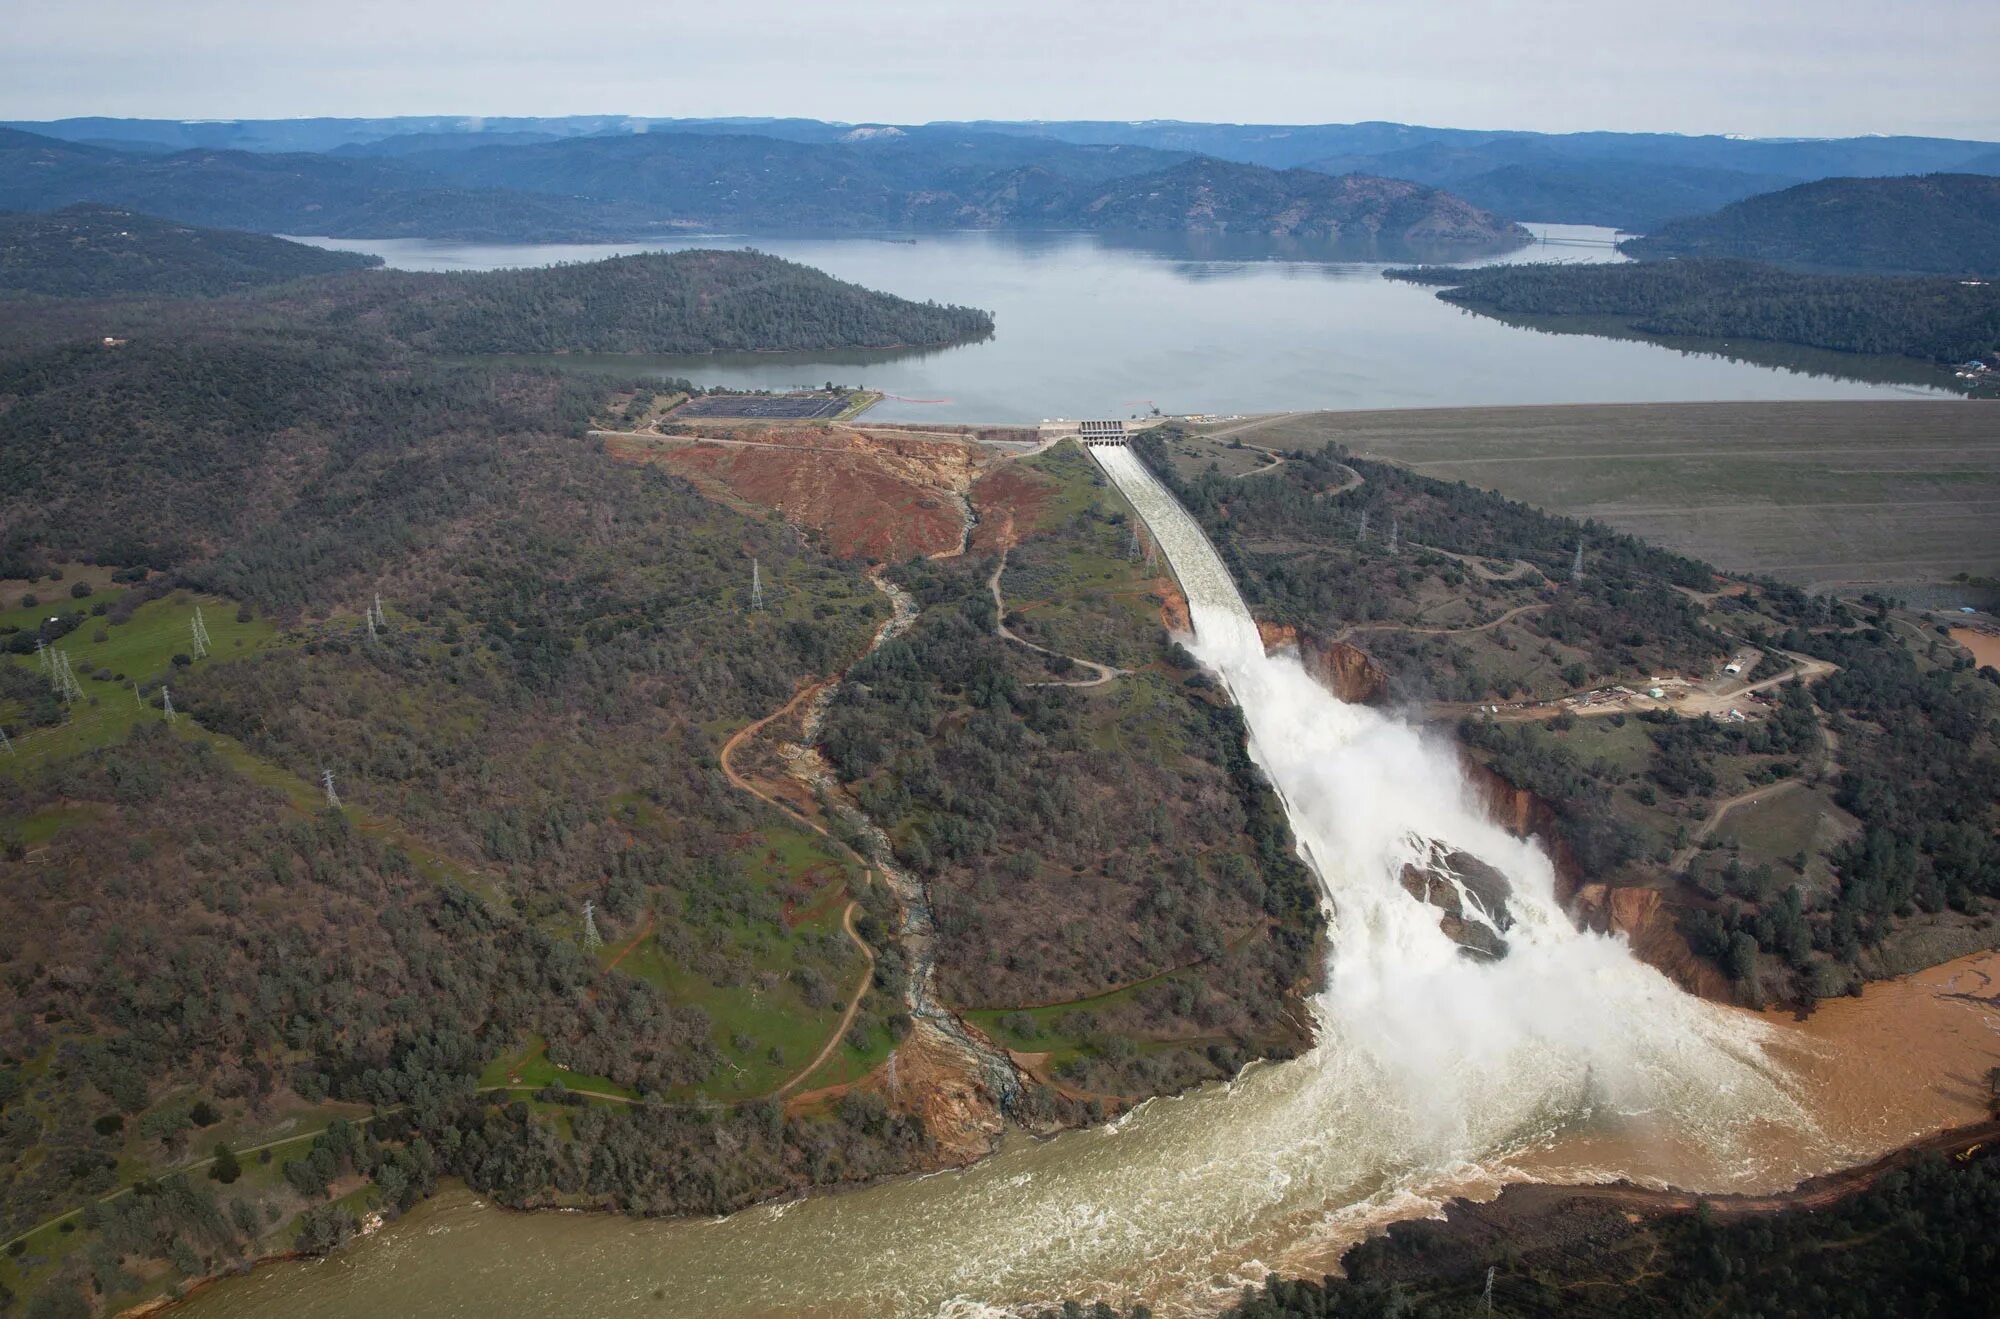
(1446, 882)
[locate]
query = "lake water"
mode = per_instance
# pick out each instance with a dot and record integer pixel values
(1091, 325)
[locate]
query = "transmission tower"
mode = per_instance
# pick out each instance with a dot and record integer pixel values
(1576, 564)
(1361, 534)
(332, 797)
(1395, 533)
(592, 940)
(756, 585)
(369, 615)
(5, 745)
(167, 705)
(64, 678)
(379, 618)
(42, 655)
(1489, 1290)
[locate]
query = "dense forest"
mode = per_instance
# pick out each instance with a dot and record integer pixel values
(658, 302)
(1077, 842)
(628, 185)
(517, 657)
(1937, 320)
(1633, 181)
(90, 251)
(1930, 224)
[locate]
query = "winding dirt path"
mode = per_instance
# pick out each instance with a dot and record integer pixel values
(1511, 614)
(847, 1017)
(1105, 672)
(1277, 460)
(1683, 856)
(725, 758)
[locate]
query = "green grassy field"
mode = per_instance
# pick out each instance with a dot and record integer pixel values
(109, 659)
(1082, 594)
(1817, 493)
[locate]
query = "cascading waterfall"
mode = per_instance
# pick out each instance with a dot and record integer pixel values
(1435, 1072)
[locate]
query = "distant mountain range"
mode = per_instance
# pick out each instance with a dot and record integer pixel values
(632, 185)
(90, 250)
(1933, 224)
(1630, 180)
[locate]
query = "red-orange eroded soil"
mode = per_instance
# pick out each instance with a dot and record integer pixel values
(881, 497)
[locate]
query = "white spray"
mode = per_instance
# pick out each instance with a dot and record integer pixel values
(1566, 1023)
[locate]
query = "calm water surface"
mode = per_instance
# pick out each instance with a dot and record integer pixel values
(1088, 325)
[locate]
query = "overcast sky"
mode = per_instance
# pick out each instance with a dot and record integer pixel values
(1761, 67)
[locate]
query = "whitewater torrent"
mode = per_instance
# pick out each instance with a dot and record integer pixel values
(1567, 1019)
(1434, 1073)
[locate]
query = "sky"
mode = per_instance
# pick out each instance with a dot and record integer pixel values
(1758, 67)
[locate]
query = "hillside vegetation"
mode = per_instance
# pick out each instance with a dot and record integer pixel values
(1633, 181)
(660, 302)
(1933, 224)
(91, 251)
(1936, 320)
(202, 953)
(1215, 195)
(639, 185)
(655, 302)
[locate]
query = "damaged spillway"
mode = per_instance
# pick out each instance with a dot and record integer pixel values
(1442, 1065)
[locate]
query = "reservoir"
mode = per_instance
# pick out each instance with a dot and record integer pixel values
(1096, 325)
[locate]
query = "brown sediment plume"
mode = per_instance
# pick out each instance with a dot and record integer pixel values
(1984, 645)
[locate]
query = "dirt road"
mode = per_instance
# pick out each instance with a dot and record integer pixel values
(1105, 673)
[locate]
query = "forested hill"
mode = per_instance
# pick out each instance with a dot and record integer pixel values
(1936, 224)
(1938, 320)
(1217, 195)
(89, 250)
(656, 302)
(637, 185)
(661, 302)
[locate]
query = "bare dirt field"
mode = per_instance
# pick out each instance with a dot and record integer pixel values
(1823, 494)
